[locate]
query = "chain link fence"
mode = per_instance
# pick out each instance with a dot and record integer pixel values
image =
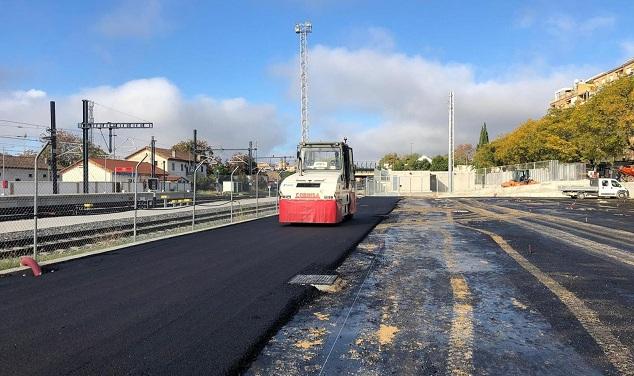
(35, 222)
(541, 172)
(388, 182)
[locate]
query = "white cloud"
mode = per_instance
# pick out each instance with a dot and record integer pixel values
(137, 19)
(406, 97)
(229, 123)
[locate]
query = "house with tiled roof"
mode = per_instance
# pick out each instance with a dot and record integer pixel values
(21, 168)
(111, 170)
(176, 163)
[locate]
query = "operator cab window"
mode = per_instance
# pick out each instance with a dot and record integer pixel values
(616, 184)
(321, 159)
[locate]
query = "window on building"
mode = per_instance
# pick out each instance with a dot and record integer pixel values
(30, 175)
(181, 167)
(43, 175)
(173, 166)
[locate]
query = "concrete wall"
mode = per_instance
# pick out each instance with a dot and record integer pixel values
(23, 174)
(422, 182)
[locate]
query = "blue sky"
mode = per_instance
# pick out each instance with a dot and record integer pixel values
(218, 52)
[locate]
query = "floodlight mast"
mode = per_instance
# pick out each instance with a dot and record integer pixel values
(303, 29)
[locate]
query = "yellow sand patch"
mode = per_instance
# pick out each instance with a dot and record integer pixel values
(322, 316)
(308, 344)
(386, 334)
(314, 338)
(460, 289)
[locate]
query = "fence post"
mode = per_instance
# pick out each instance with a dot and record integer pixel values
(136, 174)
(194, 199)
(277, 196)
(231, 193)
(35, 200)
(194, 194)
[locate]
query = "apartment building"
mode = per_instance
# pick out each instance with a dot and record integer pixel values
(582, 90)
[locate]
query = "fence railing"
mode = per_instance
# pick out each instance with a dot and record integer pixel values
(541, 172)
(39, 224)
(386, 182)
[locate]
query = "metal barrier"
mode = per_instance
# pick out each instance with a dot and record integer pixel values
(543, 171)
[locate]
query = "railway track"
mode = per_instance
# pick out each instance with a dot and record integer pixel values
(17, 211)
(114, 231)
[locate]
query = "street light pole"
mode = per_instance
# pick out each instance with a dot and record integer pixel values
(231, 194)
(136, 174)
(194, 195)
(35, 201)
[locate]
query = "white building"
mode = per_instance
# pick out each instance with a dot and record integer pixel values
(110, 170)
(176, 163)
(14, 168)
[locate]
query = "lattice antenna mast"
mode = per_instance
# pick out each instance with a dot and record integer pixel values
(303, 29)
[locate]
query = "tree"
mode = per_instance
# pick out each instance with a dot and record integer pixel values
(241, 161)
(439, 163)
(69, 150)
(388, 160)
(409, 162)
(186, 146)
(601, 129)
(484, 136)
(485, 156)
(463, 154)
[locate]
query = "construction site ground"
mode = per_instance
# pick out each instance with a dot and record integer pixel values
(474, 286)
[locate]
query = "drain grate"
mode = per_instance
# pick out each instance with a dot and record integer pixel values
(313, 279)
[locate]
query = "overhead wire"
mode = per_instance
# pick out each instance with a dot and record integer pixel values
(22, 123)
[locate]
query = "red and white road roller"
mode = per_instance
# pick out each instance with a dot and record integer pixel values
(322, 189)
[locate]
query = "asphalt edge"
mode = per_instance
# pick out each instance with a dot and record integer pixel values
(294, 305)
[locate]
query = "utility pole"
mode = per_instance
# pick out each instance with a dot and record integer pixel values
(164, 172)
(451, 141)
(88, 123)
(250, 169)
(153, 157)
(84, 128)
(303, 29)
(4, 176)
(193, 164)
(194, 147)
(53, 162)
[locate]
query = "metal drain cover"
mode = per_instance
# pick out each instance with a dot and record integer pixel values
(313, 279)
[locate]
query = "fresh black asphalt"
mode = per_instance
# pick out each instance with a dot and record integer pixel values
(196, 304)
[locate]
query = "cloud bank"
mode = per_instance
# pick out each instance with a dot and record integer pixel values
(383, 101)
(229, 123)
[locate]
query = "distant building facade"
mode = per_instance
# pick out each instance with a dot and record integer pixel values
(585, 89)
(103, 170)
(176, 163)
(18, 168)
